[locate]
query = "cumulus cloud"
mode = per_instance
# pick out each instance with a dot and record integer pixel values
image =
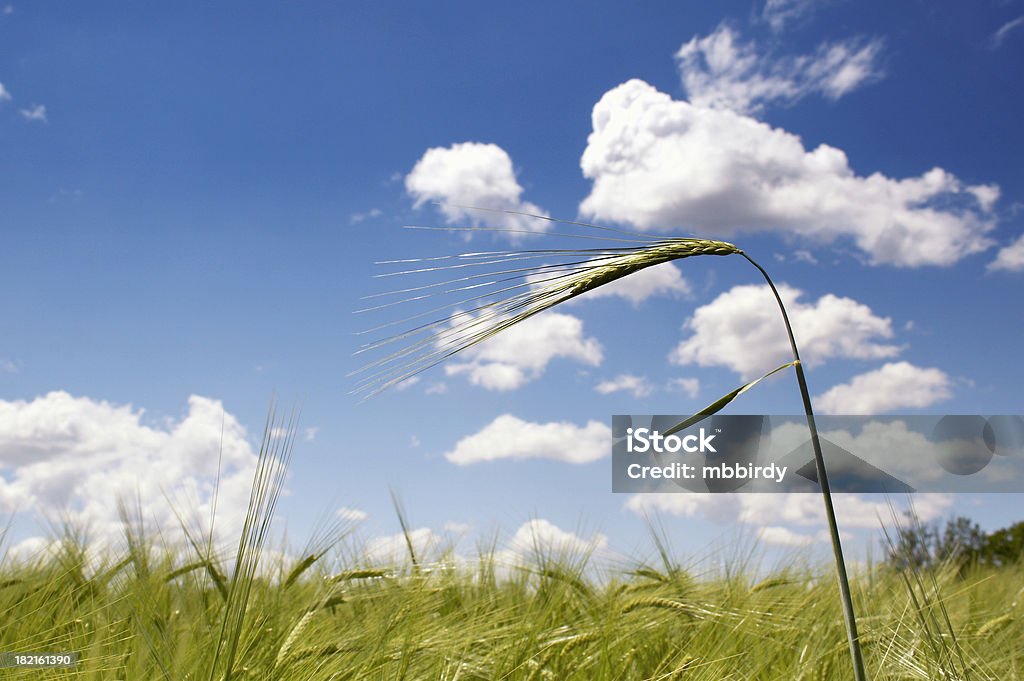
(1010, 258)
(785, 511)
(522, 352)
(637, 385)
(544, 538)
(509, 437)
(664, 279)
(741, 329)
(36, 112)
(533, 540)
(895, 385)
(777, 535)
(658, 163)
(457, 528)
(477, 175)
(394, 549)
(72, 458)
(890, 445)
(721, 72)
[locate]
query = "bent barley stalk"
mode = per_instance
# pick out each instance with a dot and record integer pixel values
(533, 288)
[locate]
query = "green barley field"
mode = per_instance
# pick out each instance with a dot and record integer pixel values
(155, 606)
(140, 613)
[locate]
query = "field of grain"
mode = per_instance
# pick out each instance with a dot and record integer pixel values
(146, 614)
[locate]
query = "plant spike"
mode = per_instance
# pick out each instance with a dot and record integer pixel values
(587, 276)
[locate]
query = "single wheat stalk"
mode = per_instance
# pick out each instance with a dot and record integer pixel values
(530, 289)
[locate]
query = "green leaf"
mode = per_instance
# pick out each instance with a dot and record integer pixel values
(719, 404)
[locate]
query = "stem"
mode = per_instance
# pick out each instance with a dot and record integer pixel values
(830, 513)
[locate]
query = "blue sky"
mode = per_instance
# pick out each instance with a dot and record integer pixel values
(193, 199)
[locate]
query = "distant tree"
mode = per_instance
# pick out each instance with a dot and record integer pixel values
(1004, 547)
(960, 541)
(919, 545)
(911, 547)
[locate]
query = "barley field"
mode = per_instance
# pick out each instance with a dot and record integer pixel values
(144, 613)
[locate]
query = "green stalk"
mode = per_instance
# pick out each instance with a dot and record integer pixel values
(593, 269)
(830, 514)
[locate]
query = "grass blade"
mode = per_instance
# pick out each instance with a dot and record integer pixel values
(720, 403)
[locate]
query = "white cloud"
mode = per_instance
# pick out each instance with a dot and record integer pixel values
(533, 540)
(890, 445)
(690, 386)
(896, 385)
(1005, 30)
(742, 329)
(681, 504)
(720, 72)
(985, 194)
(437, 388)
(509, 437)
(7, 366)
(778, 13)
(4, 94)
(309, 434)
(356, 218)
(394, 549)
(61, 451)
(664, 279)
(522, 352)
(802, 255)
(785, 511)
(477, 175)
(460, 529)
(542, 537)
(638, 385)
(1010, 258)
(36, 112)
(407, 383)
(32, 550)
(353, 515)
(658, 163)
(776, 535)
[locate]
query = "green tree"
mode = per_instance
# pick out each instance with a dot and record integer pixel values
(959, 541)
(1004, 547)
(928, 545)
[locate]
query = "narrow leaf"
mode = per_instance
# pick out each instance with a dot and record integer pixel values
(719, 404)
